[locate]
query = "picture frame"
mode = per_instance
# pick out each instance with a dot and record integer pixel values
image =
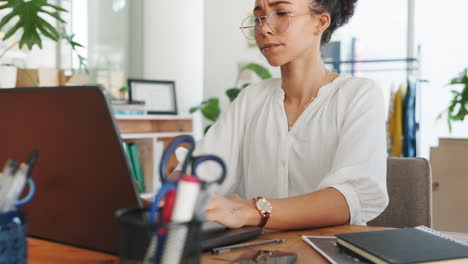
(159, 96)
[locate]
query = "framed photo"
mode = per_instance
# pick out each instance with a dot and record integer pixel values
(159, 96)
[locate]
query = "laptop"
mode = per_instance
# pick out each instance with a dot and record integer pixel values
(82, 174)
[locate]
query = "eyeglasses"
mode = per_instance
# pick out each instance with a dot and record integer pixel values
(277, 21)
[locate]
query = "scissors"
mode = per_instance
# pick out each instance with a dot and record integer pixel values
(167, 184)
(168, 190)
(208, 187)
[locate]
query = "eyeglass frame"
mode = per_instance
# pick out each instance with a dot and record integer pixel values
(269, 22)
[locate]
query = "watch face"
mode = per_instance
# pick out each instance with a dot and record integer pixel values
(264, 205)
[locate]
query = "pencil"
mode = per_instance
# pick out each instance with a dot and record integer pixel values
(216, 251)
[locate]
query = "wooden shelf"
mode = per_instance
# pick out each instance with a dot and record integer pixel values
(152, 134)
(154, 125)
(153, 117)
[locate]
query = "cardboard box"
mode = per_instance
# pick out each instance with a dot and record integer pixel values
(77, 79)
(40, 77)
(449, 163)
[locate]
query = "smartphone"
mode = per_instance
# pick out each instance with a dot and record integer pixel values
(266, 257)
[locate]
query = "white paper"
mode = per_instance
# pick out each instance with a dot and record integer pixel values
(158, 97)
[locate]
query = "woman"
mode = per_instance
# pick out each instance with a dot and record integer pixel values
(309, 147)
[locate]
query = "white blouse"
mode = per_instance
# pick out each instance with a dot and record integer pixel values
(339, 141)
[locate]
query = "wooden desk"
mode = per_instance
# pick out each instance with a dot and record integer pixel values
(293, 243)
(41, 251)
(45, 252)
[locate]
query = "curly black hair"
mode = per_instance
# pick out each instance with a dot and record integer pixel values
(340, 12)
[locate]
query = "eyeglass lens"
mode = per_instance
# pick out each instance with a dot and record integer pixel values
(278, 21)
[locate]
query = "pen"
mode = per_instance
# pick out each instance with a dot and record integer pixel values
(15, 188)
(166, 216)
(216, 251)
(187, 193)
(154, 251)
(32, 161)
(7, 179)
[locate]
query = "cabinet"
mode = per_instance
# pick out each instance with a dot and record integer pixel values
(449, 163)
(152, 134)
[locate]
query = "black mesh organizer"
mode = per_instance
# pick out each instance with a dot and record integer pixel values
(137, 235)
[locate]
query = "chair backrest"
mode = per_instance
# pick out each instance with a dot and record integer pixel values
(409, 184)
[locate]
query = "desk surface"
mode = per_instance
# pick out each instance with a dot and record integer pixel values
(41, 251)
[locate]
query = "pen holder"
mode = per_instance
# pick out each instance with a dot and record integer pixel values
(13, 243)
(182, 240)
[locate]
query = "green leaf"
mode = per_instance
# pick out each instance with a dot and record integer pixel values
(58, 8)
(454, 92)
(54, 15)
(233, 93)
(207, 128)
(213, 100)
(50, 28)
(31, 17)
(76, 44)
(6, 19)
(12, 31)
(47, 33)
(245, 85)
(69, 38)
(449, 125)
(261, 71)
(211, 110)
(194, 109)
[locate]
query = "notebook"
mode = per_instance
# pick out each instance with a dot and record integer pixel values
(405, 245)
(326, 246)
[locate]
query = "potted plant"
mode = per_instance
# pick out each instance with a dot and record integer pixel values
(123, 91)
(210, 108)
(458, 108)
(28, 17)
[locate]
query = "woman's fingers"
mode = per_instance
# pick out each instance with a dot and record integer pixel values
(212, 215)
(213, 202)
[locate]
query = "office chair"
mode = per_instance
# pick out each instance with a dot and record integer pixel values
(409, 184)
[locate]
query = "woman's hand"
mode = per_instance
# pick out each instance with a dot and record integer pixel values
(232, 213)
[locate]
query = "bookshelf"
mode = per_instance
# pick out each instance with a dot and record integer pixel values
(152, 134)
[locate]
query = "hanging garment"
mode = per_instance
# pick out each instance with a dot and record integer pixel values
(409, 121)
(396, 123)
(391, 108)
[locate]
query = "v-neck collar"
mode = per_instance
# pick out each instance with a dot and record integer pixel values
(323, 93)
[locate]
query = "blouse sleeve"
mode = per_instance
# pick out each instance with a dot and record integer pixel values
(359, 166)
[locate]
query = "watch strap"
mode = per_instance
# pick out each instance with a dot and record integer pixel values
(264, 215)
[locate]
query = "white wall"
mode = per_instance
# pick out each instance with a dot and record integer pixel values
(225, 46)
(173, 47)
(441, 29)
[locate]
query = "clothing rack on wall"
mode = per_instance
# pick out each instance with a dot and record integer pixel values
(337, 64)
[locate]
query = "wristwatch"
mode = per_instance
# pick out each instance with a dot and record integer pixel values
(264, 208)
